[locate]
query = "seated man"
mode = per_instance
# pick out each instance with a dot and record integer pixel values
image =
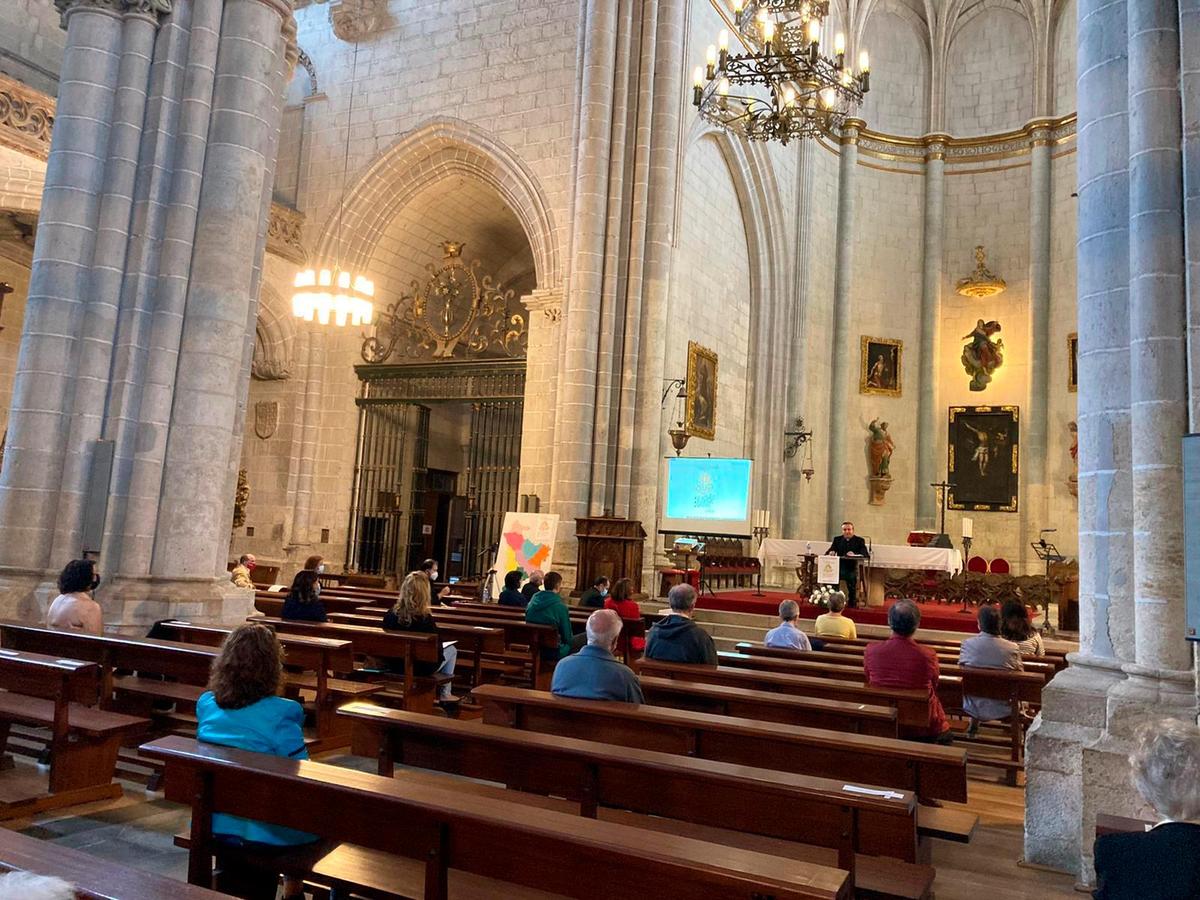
(900, 662)
(787, 634)
(594, 596)
(1164, 862)
(987, 650)
(240, 574)
(595, 673)
(677, 638)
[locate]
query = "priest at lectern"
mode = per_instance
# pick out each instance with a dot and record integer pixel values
(851, 548)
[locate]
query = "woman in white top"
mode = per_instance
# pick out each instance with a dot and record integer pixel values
(1017, 628)
(75, 609)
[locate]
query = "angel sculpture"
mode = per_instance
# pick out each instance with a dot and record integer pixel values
(982, 356)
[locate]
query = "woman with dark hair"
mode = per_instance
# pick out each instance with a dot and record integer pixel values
(315, 563)
(242, 708)
(75, 607)
(303, 601)
(511, 595)
(620, 601)
(1016, 627)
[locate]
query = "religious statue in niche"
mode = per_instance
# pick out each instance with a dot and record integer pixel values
(701, 411)
(879, 366)
(1073, 479)
(240, 499)
(879, 450)
(982, 355)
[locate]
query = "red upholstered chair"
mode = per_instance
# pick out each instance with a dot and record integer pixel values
(999, 566)
(978, 565)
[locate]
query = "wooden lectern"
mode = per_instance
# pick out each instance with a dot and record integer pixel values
(610, 546)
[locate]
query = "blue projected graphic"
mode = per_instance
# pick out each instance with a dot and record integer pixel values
(708, 489)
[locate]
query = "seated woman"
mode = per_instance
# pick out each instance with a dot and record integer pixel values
(303, 601)
(412, 612)
(833, 623)
(511, 595)
(1016, 627)
(75, 608)
(620, 601)
(242, 709)
(1162, 863)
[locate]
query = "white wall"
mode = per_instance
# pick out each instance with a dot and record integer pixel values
(989, 74)
(898, 102)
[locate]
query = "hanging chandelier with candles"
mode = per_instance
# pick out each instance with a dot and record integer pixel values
(783, 87)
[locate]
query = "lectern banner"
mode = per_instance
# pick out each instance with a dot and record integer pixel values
(828, 569)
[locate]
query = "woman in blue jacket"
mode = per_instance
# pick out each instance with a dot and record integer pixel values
(242, 708)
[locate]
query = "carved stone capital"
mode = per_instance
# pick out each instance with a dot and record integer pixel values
(150, 8)
(546, 301)
(26, 118)
(355, 20)
(284, 227)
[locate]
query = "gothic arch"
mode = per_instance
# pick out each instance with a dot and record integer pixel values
(274, 337)
(429, 153)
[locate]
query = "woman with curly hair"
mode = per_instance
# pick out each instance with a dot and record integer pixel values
(412, 612)
(303, 601)
(242, 708)
(75, 609)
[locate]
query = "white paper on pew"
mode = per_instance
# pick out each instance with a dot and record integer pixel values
(446, 644)
(887, 795)
(277, 589)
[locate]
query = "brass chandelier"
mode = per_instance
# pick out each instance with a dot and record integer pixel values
(786, 88)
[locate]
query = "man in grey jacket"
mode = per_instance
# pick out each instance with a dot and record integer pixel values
(594, 673)
(987, 650)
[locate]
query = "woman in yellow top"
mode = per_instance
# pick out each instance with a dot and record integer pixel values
(833, 623)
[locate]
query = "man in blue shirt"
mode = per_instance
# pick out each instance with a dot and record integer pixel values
(594, 673)
(787, 634)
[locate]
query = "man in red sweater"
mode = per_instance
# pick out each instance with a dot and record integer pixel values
(900, 662)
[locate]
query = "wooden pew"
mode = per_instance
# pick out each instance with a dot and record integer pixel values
(267, 601)
(419, 692)
(446, 830)
(870, 821)
(60, 695)
(936, 773)
(313, 663)
(946, 648)
(630, 628)
(912, 707)
(93, 878)
(948, 666)
(768, 706)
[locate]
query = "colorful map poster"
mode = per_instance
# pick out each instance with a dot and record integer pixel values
(526, 543)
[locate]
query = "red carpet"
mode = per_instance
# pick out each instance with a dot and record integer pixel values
(938, 616)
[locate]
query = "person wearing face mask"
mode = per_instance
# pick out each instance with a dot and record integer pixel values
(316, 564)
(75, 608)
(303, 601)
(594, 596)
(240, 575)
(429, 568)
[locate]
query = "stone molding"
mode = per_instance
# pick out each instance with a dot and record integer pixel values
(355, 20)
(284, 227)
(548, 302)
(938, 145)
(26, 118)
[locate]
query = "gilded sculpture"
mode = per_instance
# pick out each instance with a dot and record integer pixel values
(879, 449)
(983, 354)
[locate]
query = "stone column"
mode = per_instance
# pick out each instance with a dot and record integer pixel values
(191, 518)
(843, 350)
(544, 315)
(928, 412)
(1158, 362)
(792, 518)
(310, 421)
(1034, 437)
(1189, 50)
(59, 286)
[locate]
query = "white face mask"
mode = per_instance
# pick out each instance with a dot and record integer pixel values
(433, 575)
(321, 569)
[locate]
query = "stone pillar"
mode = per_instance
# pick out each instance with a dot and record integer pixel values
(191, 517)
(1158, 364)
(1034, 438)
(310, 420)
(59, 287)
(928, 411)
(544, 314)
(792, 518)
(1189, 50)
(843, 350)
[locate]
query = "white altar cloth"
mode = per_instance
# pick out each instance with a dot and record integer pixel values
(776, 553)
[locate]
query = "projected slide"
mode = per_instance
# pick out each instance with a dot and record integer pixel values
(708, 496)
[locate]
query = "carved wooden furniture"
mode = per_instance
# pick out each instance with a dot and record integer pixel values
(608, 545)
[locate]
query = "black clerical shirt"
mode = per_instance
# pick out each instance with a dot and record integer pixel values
(842, 545)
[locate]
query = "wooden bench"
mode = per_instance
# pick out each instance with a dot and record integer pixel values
(912, 707)
(265, 602)
(446, 830)
(417, 692)
(93, 878)
(934, 773)
(630, 628)
(848, 819)
(60, 695)
(768, 706)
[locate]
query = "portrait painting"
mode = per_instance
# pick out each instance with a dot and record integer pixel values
(701, 419)
(879, 366)
(984, 456)
(1073, 362)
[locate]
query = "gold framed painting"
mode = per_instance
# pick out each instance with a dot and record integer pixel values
(879, 368)
(983, 464)
(1073, 362)
(701, 418)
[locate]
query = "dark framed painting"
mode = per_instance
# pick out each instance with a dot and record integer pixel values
(1073, 362)
(879, 366)
(701, 418)
(984, 458)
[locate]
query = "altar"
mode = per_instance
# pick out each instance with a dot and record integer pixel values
(781, 558)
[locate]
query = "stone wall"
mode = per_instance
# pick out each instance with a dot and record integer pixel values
(31, 43)
(989, 80)
(898, 102)
(16, 274)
